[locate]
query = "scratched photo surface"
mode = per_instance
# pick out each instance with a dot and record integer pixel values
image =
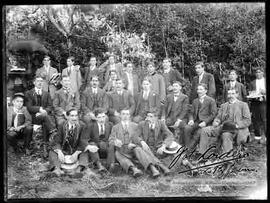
(136, 100)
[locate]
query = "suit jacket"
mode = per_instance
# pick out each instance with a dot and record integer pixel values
(153, 102)
(241, 115)
(88, 74)
(48, 76)
(79, 142)
(118, 133)
(136, 83)
(207, 111)
(109, 86)
(162, 133)
(106, 67)
(242, 92)
(75, 79)
(87, 100)
(209, 80)
(32, 102)
(171, 76)
(182, 105)
(10, 112)
(114, 102)
(158, 85)
(63, 102)
(94, 132)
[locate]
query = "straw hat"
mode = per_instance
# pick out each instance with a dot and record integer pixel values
(172, 148)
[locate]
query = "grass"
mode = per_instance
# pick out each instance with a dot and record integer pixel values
(27, 178)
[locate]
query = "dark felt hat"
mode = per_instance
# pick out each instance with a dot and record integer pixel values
(229, 126)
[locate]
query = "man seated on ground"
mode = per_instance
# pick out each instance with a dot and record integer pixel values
(176, 109)
(156, 139)
(68, 145)
(39, 105)
(65, 99)
(230, 125)
(19, 124)
(99, 132)
(147, 99)
(119, 100)
(127, 146)
(92, 98)
(110, 85)
(203, 112)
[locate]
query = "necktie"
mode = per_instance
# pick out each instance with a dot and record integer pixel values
(102, 129)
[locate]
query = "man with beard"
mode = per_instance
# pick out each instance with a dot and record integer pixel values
(65, 99)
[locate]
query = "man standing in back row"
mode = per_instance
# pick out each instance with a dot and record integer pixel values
(202, 77)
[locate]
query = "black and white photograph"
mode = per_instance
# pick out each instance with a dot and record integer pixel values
(143, 100)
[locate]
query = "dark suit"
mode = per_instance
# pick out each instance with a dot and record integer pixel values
(240, 88)
(258, 109)
(170, 77)
(91, 101)
(204, 112)
(62, 102)
(209, 80)
(142, 106)
(176, 109)
(77, 143)
(109, 87)
(88, 74)
(33, 105)
(101, 141)
(25, 132)
(118, 102)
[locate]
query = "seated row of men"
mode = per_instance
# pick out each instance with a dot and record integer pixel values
(161, 83)
(197, 127)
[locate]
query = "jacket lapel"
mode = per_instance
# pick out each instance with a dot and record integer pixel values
(170, 102)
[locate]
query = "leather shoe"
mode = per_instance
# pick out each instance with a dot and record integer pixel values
(100, 167)
(136, 172)
(165, 169)
(155, 172)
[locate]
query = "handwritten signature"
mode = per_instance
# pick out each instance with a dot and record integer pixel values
(224, 166)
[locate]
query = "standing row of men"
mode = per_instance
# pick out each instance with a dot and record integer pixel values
(125, 98)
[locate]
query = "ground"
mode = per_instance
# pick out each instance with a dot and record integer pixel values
(27, 178)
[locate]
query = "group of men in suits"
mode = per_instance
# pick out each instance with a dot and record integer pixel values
(109, 112)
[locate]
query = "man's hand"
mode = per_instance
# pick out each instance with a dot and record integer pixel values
(118, 143)
(202, 124)
(42, 111)
(17, 129)
(116, 113)
(145, 146)
(11, 129)
(161, 149)
(131, 146)
(91, 148)
(191, 122)
(215, 123)
(60, 154)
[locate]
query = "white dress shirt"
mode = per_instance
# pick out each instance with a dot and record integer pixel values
(38, 91)
(94, 90)
(100, 128)
(260, 84)
(145, 94)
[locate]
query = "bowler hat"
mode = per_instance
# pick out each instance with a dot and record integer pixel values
(18, 94)
(229, 126)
